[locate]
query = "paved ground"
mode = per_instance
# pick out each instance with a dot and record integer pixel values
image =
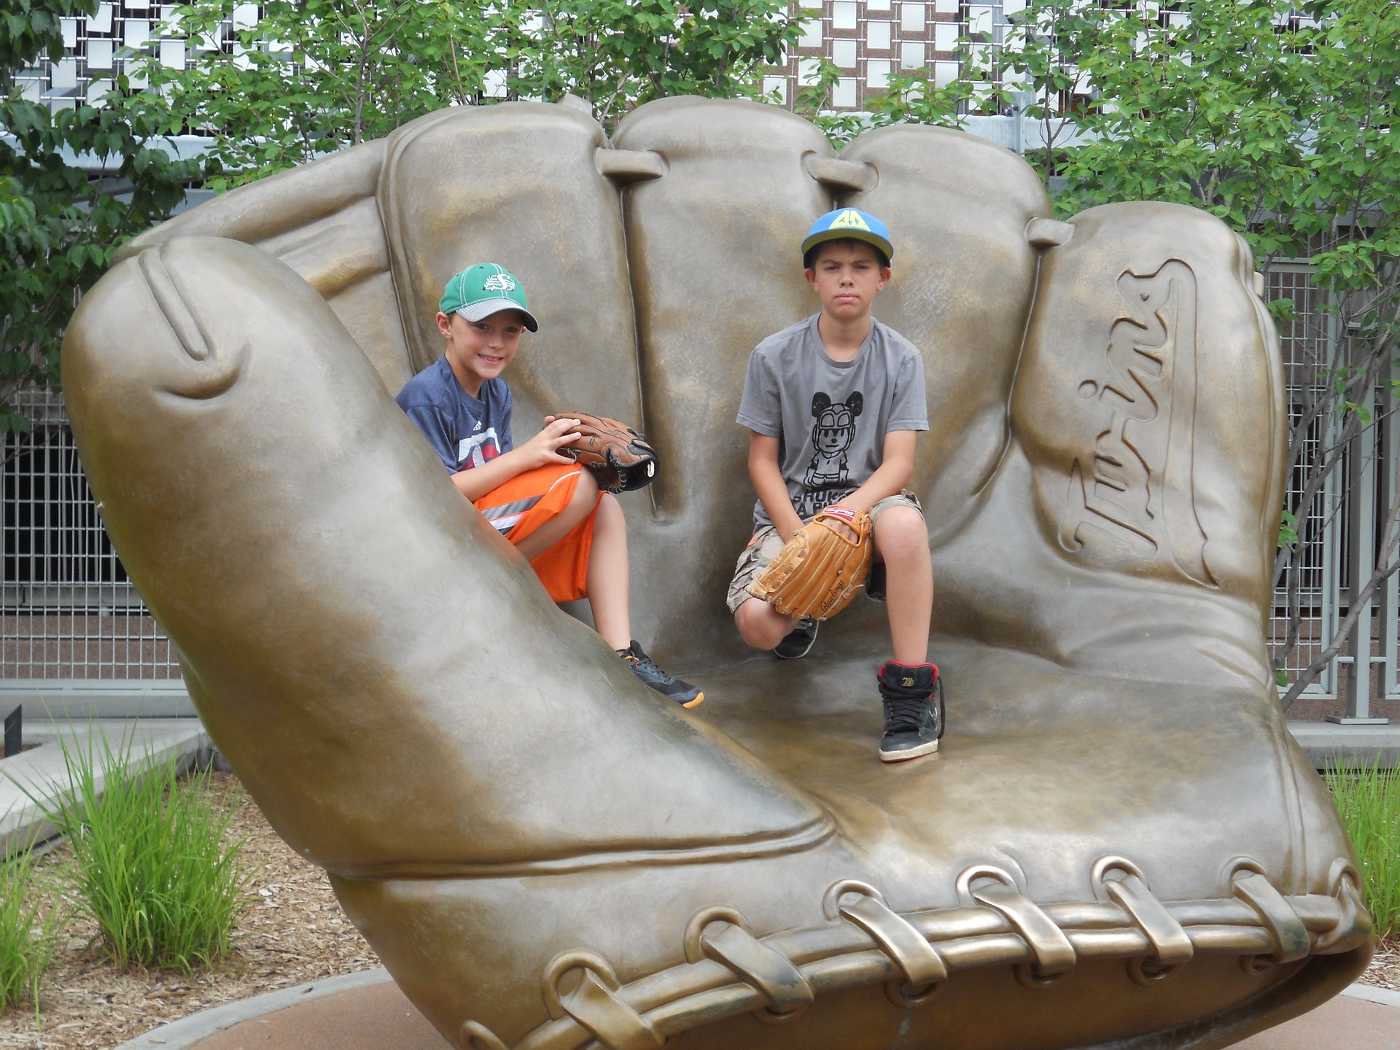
(367, 1012)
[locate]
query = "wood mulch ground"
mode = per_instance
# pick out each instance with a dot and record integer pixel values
(292, 932)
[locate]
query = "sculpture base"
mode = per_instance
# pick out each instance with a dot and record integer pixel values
(367, 1011)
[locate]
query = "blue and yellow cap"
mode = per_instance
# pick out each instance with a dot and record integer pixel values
(852, 224)
(484, 289)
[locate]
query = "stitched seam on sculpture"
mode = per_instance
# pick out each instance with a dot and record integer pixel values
(804, 838)
(671, 1000)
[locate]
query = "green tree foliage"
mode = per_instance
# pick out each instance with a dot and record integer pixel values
(618, 54)
(59, 223)
(315, 76)
(911, 97)
(312, 77)
(1280, 119)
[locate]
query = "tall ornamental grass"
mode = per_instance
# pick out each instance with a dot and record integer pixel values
(151, 863)
(1368, 800)
(28, 932)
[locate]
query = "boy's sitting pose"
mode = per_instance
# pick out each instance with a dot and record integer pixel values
(550, 507)
(833, 405)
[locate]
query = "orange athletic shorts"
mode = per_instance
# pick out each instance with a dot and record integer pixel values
(524, 503)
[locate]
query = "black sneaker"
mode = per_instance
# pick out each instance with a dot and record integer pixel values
(799, 640)
(875, 582)
(667, 685)
(913, 699)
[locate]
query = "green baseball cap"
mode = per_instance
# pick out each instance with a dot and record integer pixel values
(485, 289)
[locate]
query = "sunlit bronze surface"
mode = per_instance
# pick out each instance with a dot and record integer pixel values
(1119, 846)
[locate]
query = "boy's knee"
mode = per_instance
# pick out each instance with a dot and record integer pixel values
(759, 626)
(586, 489)
(900, 530)
(584, 498)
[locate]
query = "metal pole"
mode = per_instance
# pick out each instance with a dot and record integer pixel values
(1361, 561)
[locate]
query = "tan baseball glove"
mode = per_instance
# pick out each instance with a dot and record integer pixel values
(618, 457)
(821, 568)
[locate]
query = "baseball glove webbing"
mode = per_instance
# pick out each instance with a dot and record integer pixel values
(618, 457)
(729, 971)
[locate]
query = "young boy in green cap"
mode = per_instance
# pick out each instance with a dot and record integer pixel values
(833, 405)
(543, 502)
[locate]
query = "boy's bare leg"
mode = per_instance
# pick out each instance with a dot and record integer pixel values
(760, 626)
(556, 528)
(608, 580)
(901, 537)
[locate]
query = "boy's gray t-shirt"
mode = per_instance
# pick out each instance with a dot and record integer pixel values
(831, 417)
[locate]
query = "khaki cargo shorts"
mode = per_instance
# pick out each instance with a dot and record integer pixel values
(766, 543)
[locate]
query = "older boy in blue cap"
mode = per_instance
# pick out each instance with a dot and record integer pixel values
(833, 405)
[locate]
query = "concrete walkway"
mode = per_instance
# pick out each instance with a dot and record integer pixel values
(366, 1011)
(1327, 743)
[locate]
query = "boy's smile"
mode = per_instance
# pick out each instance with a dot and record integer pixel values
(480, 350)
(846, 277)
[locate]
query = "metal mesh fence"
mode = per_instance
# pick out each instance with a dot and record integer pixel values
(67, 610)
(1309, 586)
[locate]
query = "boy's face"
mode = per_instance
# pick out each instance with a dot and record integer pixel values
(846, 275)
(480, 350)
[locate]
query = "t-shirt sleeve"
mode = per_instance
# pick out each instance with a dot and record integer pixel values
(429, 420)
(909, 410)
(760, 409)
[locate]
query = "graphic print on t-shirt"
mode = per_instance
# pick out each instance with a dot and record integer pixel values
(833, 430)
(474, 451)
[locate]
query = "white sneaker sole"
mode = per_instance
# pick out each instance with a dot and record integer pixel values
(909, 752)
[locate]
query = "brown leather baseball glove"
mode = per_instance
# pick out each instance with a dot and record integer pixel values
(821, 568)
(618, 457)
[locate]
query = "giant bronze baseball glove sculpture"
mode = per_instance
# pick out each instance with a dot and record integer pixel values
(1120, 845)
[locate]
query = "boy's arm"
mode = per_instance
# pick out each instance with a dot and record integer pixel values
(893, 474)
(768, 483)
(539, 451)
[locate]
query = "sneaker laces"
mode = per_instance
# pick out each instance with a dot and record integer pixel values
(636, 655)
(904, 714)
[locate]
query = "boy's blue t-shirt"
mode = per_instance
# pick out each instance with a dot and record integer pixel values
(464, 431)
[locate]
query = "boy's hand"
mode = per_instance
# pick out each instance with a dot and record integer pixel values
(543, 448)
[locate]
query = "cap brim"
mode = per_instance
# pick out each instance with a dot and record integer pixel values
(486, 307)
(873, 239)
